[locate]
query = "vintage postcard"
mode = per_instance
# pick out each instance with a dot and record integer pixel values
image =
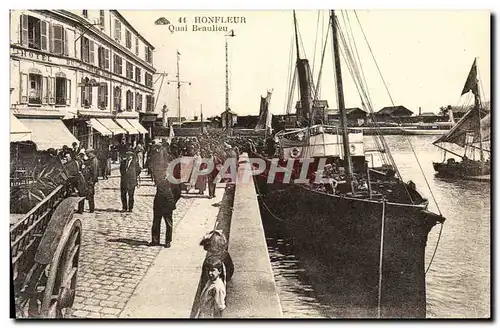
(321, 164)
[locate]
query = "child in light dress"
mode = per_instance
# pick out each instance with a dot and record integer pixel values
(213, 296)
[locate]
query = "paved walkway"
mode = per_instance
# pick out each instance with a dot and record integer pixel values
(115, 255)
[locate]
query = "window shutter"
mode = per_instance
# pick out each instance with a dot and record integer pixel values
(82, 100)
(106, 95)
(24, 31)
(23, 89)
(45, 94)
(91, 52)
(68, 92)
(152, 103)
(82, 47)
(90, 94)
(66, 49)
(51, 88)
(44, 32)
(146, 53)
(106, 58)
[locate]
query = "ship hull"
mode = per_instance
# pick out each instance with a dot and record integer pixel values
(462, 169)
(344, 234)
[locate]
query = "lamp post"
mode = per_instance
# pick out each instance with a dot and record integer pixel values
(229, 119)
(164, 21)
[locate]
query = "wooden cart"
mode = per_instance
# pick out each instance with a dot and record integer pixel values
(45, 248)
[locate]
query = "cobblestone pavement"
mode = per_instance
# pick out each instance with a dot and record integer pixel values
(114, 255)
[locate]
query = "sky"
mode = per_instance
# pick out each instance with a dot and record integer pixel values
(424, 57)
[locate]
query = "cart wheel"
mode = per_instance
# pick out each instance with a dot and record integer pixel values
(60, 288)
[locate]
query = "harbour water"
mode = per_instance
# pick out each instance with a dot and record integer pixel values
(458, 282)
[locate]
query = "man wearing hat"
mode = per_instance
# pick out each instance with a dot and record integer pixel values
(90, 173)
(130, 171)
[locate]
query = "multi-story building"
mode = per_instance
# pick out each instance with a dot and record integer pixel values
(89, 67)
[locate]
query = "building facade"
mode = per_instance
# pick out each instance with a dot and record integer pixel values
(90, 68)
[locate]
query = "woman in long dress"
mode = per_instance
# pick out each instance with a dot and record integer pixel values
(201, 180)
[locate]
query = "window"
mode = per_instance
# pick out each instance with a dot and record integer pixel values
(118, 30)
(117, 104)
(118, 65)
(59, 40)
(138, 75)
(85, 13)
(101, 17)
(130, 71)
(148, 80)
(137, 46)
(130, 101)
(103, 57)
(34, 33)
(102, 95)
(128, 39)
(62, 90)
(87, 95)
(148, 55)
(35, 89)
(149, 103)
(138, 101)
(87, 50)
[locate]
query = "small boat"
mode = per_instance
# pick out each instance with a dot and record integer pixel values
(472, 134)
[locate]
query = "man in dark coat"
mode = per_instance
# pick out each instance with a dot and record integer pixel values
(92, 165)
(163, 206)
(130, 171)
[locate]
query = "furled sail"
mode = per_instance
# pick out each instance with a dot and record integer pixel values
(265, 115)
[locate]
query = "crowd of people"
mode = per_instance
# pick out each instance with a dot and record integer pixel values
(85, 167)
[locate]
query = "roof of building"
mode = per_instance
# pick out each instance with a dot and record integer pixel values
(391, 109)
(348, 110)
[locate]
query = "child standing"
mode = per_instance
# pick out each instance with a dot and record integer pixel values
(212, 299)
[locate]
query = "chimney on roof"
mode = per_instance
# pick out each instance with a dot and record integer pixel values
(420, 111)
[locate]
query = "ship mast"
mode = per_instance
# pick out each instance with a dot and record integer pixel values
(296, 35)
(477, 104)
(340, 97)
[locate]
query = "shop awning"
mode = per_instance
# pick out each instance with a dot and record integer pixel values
(111, 125)
(138, 126)
(126, 125)
(18, 131)
(99, 127)
(49, 133)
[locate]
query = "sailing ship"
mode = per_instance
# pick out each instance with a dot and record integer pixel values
(368, 229)
(471, 133)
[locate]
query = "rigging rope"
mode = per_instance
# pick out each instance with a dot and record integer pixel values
(407, 137)
(378, 138)
(379, 308)
(288, 81)
(318, 82)
(265, 205)
(435, 249)
(315, 41)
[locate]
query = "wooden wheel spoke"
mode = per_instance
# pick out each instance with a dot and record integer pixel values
(68, 278)
(62, 277)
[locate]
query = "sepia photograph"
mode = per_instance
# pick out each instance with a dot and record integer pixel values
(250, 164)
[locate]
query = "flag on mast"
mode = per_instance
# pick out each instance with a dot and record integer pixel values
(471, 82)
